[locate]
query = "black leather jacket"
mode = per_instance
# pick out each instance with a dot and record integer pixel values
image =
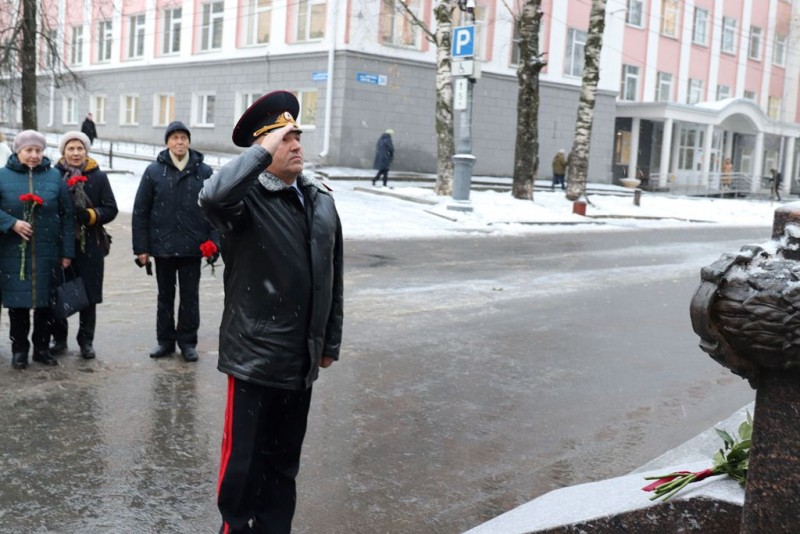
(283, 273)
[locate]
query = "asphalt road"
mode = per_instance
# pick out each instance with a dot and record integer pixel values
(477, 373)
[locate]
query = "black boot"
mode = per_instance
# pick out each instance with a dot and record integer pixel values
(87, 352)
(44, 357)
(189, 354)
(162, 350)
(58, 347)
(19, 360)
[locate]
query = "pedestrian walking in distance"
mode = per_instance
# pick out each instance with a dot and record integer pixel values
(168, 225)
(89, 129)
(384, 154)
(282, 322)
(559, 169)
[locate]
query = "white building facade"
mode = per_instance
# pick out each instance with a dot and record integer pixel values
(684, 83)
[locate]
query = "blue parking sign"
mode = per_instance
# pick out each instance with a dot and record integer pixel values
(463, 41)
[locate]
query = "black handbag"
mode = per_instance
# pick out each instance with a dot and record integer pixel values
(70, 297)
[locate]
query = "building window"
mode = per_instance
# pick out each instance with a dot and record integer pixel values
(164, 109)
(308, 108)
(5, 110)
(129, 110)
(700, 33)
(689, 140)
(70, 111)
(750, 95)
(244, 99)
(573, 63)
(211, 26)
(104, 38)
(633, 15)
(311, 19)
(728, 44)
(203, 105)
(723, 92)
(664, 87)
(76, 46)
(98, 109)
(669, 18)
(630, 82)
(172, 31)
(695, 94)
(51, 50)
(754, 51)
(259, 20)
(395, 29)
(774, 108)
(779, 51)
(136, 36)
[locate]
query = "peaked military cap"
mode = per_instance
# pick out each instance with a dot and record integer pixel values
(271, 111)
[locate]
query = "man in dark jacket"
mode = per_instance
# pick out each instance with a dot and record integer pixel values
(89, 129)
(384, 154)
(282, 245)
(169, 226)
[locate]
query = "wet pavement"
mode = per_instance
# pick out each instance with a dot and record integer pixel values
(477, 373)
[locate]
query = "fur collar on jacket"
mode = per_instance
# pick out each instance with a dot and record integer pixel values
(270, 182)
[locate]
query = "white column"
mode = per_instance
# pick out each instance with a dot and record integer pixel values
(716, 44)
(744, 44)
(767, 41)
(653, 37)
(729, 144)
(188, 29)
(633, 162)
(666, 153)
(150, 16)
(705, 165)
(758, 162)
(788, 163)
(686, 48)
(676, 133)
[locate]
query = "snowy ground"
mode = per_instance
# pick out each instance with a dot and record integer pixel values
(411, 209)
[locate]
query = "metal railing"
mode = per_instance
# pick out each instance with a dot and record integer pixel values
(713, 184)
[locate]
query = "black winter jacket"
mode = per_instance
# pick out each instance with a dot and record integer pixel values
(283, 273)
(89, 259)
(166, 221)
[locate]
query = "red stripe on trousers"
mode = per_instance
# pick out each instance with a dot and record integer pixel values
(227, 438)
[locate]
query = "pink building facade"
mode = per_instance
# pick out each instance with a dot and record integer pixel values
(703, 82)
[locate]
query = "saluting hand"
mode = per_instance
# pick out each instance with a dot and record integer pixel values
(273, 139)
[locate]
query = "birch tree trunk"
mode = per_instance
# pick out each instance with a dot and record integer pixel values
(445, 146)
(441, 38)
(526, 147)
(579, 156)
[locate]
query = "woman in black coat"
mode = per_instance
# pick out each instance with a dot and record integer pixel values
(384, 154)
(94, 206)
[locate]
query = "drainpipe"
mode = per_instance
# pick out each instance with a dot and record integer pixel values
(326, 135)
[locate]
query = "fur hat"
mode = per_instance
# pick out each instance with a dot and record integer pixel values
(71, 136)
(177, 126)
(29, 138)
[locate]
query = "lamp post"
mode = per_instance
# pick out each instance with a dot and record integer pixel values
(463, 53)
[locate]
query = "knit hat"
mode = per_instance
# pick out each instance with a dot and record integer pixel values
(176, 126)
(29, 138)
(71, 136)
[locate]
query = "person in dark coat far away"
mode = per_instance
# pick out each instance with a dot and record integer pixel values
(384, 154)
(282, 245)
(36, 222)
(94, 205)
(168, 225)
(88, 128)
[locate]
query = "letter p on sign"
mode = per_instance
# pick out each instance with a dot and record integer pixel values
(463, 42)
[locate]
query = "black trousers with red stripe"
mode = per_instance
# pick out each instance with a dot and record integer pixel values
(261, 443)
